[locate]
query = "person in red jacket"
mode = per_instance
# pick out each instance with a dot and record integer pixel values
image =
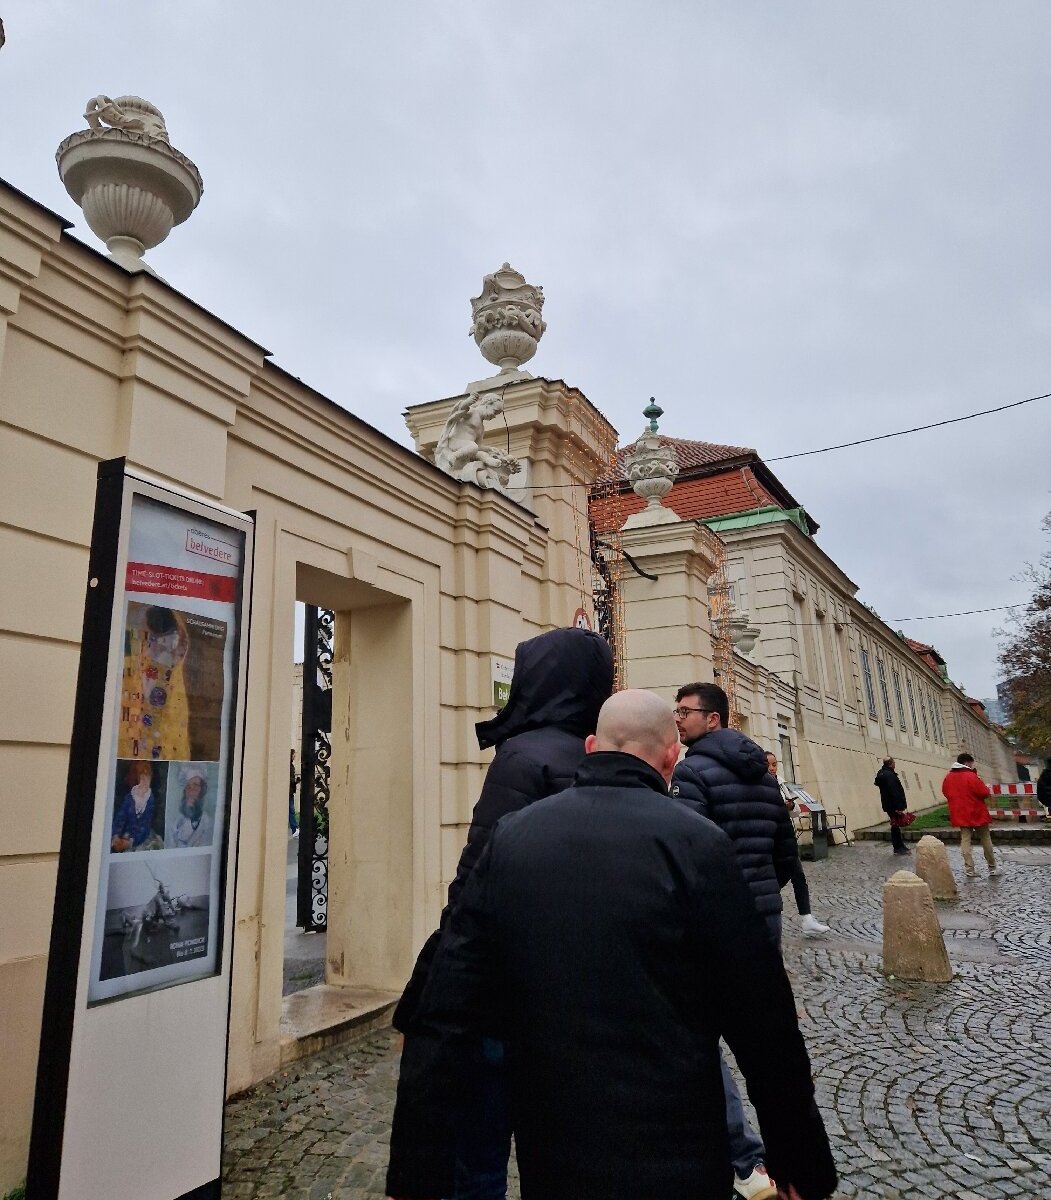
(967, 796)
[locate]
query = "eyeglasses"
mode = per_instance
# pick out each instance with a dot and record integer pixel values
(681, 714)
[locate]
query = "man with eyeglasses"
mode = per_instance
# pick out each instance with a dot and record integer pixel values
(724, 776)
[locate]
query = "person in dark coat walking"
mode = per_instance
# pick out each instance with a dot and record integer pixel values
(810, 925)
(561, 680)
(1043, 787)
(893, 802)
(610, 934)
(724, 776)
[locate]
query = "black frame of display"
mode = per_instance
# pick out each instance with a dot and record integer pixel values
(43, 1174)
(60, 990)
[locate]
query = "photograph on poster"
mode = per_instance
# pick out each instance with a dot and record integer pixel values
(193, 788)
(172, 686)
(138, 806)
(157, 913)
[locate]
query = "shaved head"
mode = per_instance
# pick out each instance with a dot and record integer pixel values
(639, 723)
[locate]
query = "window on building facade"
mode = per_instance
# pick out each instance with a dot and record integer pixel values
(788, 764)
(843, 646)
(923, 714)
(829, 647)
(885, 695)
(912, 705)
(936, 720)
(870, 692)
(897, 696)
(814, 674)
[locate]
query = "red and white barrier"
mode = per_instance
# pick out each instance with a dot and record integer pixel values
(1013, 789)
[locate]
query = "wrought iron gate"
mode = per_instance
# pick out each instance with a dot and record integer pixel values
(312, 893)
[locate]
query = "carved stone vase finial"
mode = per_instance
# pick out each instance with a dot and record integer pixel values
(743, 635)
(650, 468)
(125, 174)
(727, 622)
(507, 323)
(460, 451)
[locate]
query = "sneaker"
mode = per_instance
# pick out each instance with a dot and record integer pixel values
(969, 872)
(812, 927)
(295, 833)
(993, 871)
(758, 1185)
(903, 850)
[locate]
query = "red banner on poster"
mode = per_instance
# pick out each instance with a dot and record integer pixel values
(172, 581)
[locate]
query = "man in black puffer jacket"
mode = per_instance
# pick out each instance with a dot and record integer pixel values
(725, 777)
(561, 680)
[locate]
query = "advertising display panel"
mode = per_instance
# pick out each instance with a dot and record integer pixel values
(163, 836)
(137, 999)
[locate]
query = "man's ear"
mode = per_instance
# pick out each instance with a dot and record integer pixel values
(590, 743)
(671, 757)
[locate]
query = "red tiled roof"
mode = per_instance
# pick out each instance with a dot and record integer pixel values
(928, 653)
(923, 650)
(689, 454)
(717, 495)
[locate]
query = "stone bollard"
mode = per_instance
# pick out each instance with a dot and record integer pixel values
(913, 947)
(932, 866)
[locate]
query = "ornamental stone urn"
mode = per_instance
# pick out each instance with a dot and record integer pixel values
(507, 323)
(650, 468)
(132, 185)
(742, 635)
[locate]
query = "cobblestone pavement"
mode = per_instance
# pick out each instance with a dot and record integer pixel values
(927, 1090)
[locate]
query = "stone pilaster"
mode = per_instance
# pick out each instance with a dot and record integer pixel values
(667, 627)
(563, 443)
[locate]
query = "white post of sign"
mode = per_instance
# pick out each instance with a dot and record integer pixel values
(132, 1075)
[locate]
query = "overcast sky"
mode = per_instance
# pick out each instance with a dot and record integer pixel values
(793, 223)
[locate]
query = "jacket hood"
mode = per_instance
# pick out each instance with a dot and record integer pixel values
(561, 680)
(963, 767)
(739, 754)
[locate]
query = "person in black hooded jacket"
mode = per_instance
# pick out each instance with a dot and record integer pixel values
(724, 776)
(561, 680)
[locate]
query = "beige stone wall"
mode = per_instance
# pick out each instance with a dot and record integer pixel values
(296, 730)
(766, 704)
(667, 630)
(667, 625)
(429, 578)
(817, 635)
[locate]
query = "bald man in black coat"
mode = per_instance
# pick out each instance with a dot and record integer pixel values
(608, 934)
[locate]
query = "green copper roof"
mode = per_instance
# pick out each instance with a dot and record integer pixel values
(769, 515)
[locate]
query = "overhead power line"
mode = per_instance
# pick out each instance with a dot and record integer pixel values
(882, 437)
(970, 613)
(879, 437)
(894, 620)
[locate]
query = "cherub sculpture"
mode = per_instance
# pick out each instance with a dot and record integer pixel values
(460, 451)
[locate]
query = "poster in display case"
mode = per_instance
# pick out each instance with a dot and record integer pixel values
(140, 945)
(163, 835)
